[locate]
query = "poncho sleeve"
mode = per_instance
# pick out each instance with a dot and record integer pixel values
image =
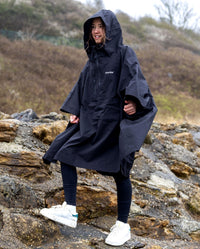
(132, 85)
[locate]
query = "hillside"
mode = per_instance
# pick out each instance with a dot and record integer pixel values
(38, 74)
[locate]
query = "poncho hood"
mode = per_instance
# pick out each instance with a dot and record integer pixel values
(113, 32)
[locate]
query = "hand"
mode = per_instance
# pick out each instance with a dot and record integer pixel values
(129, 107)
(73, 119)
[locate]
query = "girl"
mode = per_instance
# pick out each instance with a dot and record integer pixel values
(112, 110)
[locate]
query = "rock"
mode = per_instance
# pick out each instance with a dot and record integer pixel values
(195, 235)
(190, 226)
(4, 116)
(198, 155)
(174, 201)
(180, 169)
(1, 221)
(141, 203)
(103, 222)
(196, 136)
(151, 227)
(11, 147)
(148, 139)
(185, 139)
(52, 116)
(27, 140)
(142, 168)
(15, 194)
(32, 231)
(167, 127)
(194, 203)
(26, 164)
(21, 159)
(173, 152)
(47, 133)
(135, 209)
(183, 196)
(8, 130)
(26, 116)
(84, 237)
(165, 183)
(91, 202)
(155, 247)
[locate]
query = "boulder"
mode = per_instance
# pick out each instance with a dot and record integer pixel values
(4, 116)
(47, 133)
(32, 231)
(26, 116)
(25, 164)
(16, 194)
(8, 130)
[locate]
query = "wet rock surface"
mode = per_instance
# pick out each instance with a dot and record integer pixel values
(165, 210)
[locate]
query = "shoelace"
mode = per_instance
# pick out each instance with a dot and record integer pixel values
(57, 206)
(114, 229)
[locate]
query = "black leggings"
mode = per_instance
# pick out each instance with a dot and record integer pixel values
(124, 190)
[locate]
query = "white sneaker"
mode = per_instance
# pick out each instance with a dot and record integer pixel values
(120, 233)
(61, 214)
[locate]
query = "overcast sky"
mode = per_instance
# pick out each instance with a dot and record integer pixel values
(141, 8)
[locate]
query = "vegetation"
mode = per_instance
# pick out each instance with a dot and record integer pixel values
(39, 75)
(49, 18)
(177, 13)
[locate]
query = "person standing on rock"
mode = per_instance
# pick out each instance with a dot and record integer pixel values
(112, 110)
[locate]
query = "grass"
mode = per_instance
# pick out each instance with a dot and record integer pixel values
(39, 75)
(177, 108)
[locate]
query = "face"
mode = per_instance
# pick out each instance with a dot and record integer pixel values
(98, 30)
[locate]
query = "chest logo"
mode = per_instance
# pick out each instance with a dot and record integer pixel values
(109, 72)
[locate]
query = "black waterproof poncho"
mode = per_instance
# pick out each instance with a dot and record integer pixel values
(105, 138)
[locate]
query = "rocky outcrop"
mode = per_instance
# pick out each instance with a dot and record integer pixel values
(165, 210)
(7, 130)
(47, 133)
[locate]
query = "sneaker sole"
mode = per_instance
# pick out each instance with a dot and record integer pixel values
(61, 220)
(111, 243)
